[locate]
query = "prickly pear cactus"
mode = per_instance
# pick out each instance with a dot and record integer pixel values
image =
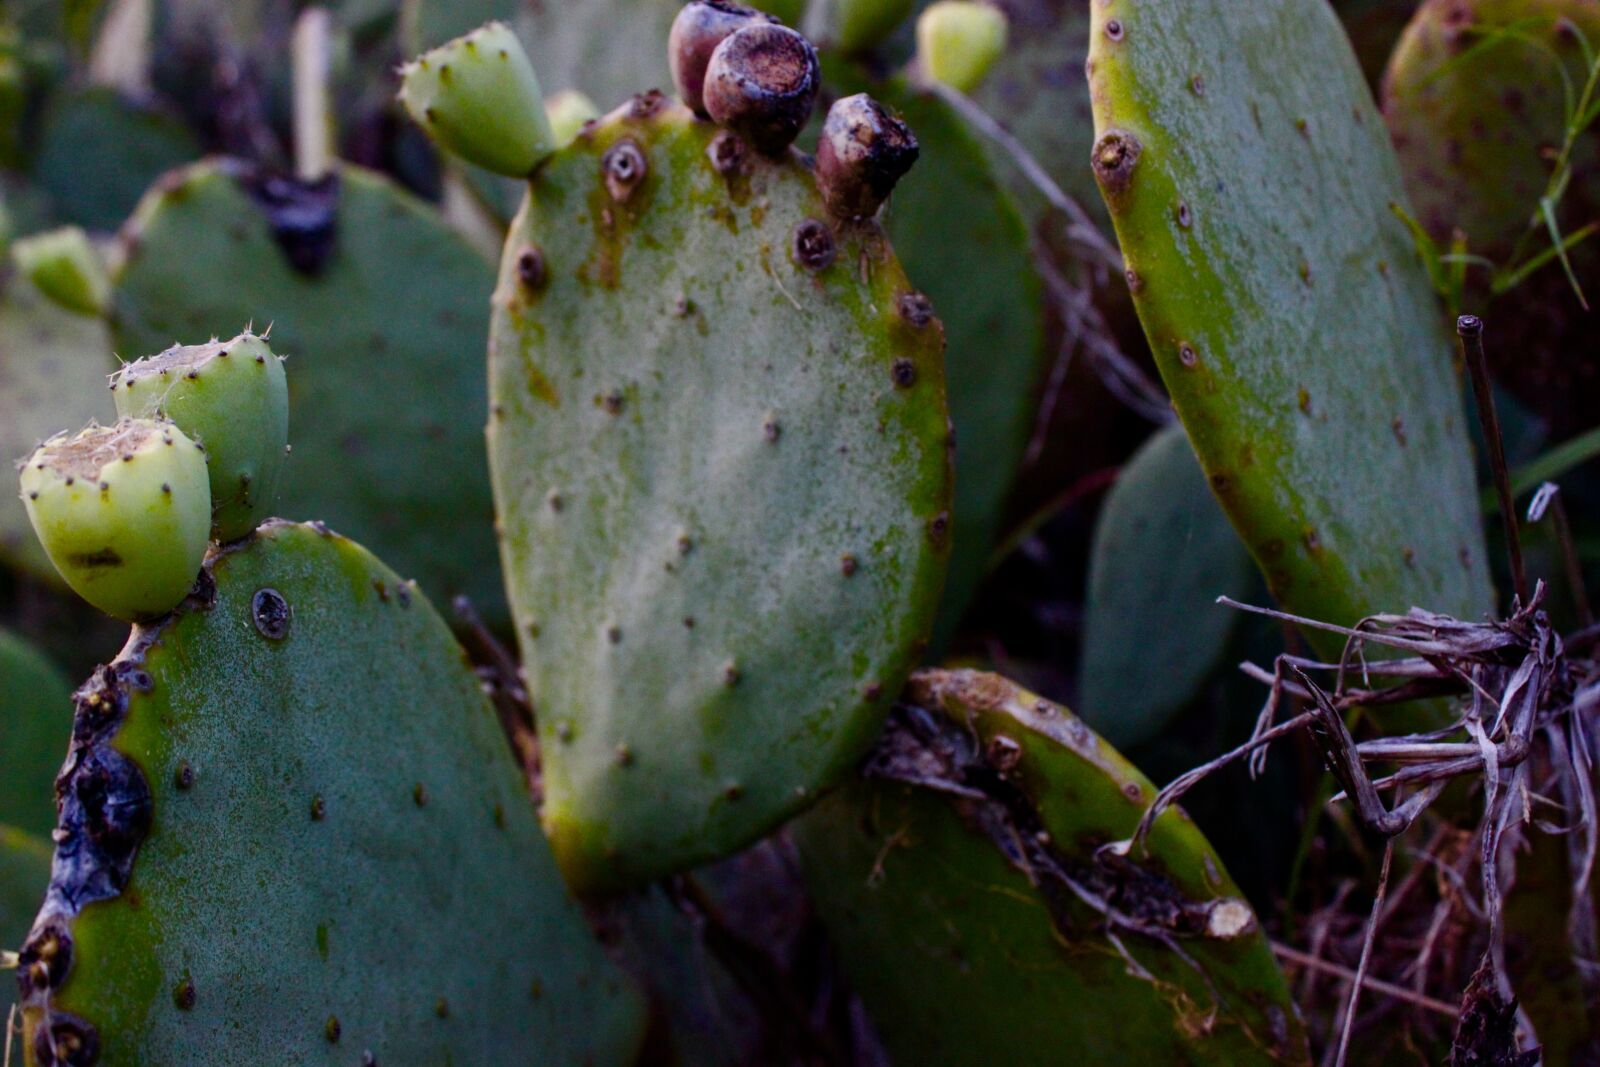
(973, 888)
(1287, 309)
(719, 447)
(383, 337)
(1163, 552)
(53, 378)
(1474, 132)
(287, 812)
(35, 721)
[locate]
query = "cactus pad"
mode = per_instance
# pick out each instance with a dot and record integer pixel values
(965, 891)
(1287, 308)
(288, 810)
(1474, 133)
(53, 378)
(35, 722)
(719, 447)
(1163, 552)
(384, 343)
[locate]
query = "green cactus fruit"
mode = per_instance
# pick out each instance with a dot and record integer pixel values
(952, 211)
(65, 266)
(35, 722)
(959, 42)
(973, 893)
(123, 512)
(241, 878)
(1037, 90)
(787, 11)
(568, 110)
(232, 397)
(384, 342)
(132, 144)
(856, 26)
(1252, 200)
(1474, 112)
(52, 379)
(479, 98)
(719, 448)
(1163, 552)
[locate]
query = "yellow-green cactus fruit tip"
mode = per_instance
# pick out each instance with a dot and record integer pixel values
(123, 512)
(958, 41)
(478, 97)
(233, 398)
(64, 265)
(568, 111)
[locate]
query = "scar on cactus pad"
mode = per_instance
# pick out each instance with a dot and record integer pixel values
(233, 398)
(123, 512)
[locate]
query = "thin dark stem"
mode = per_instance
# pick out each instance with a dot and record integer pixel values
(1366, 955)
(1470, 330)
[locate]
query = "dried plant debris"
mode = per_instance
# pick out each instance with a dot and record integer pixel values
(1525, 698)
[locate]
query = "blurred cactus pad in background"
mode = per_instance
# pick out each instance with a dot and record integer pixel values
(799, 533)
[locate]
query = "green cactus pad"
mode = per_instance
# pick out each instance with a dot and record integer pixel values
(294, 833)
(52, 379)
(1163, 552)
(24, 874)
(1287, 308)
(384, 344)
(859, 25)
(1473, 132)
(64, 266)
(966, 897)
(123, 512)
(948, 213)
(719, 445)
(230, 396)
(128, 146)
(478, 96)
(35, 723)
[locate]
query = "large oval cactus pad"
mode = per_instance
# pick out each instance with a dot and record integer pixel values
(1289, 313)
(35, 722)
(289, 811)
(723, 482)
(384, 340)
(964, 890)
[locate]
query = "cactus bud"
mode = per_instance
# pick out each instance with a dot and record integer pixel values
(696, 32)
(64, 266)
(861, 24)
(478, 97)
(863, 151)
(958, 41)
(762, 83)
(568, 111)
(231, 396)
(122, 512)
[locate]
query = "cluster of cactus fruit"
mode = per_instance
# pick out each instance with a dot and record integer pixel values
(726, 467)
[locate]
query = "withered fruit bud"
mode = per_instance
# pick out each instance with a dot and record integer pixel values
(762, 83)
(696, 32)
(864, 150)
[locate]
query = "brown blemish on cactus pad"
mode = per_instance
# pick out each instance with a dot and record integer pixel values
(271, 614)
(66, 1041)
(915, 308)
(624, 166)
(1114, 158)
(531, 269)
(814, 246)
